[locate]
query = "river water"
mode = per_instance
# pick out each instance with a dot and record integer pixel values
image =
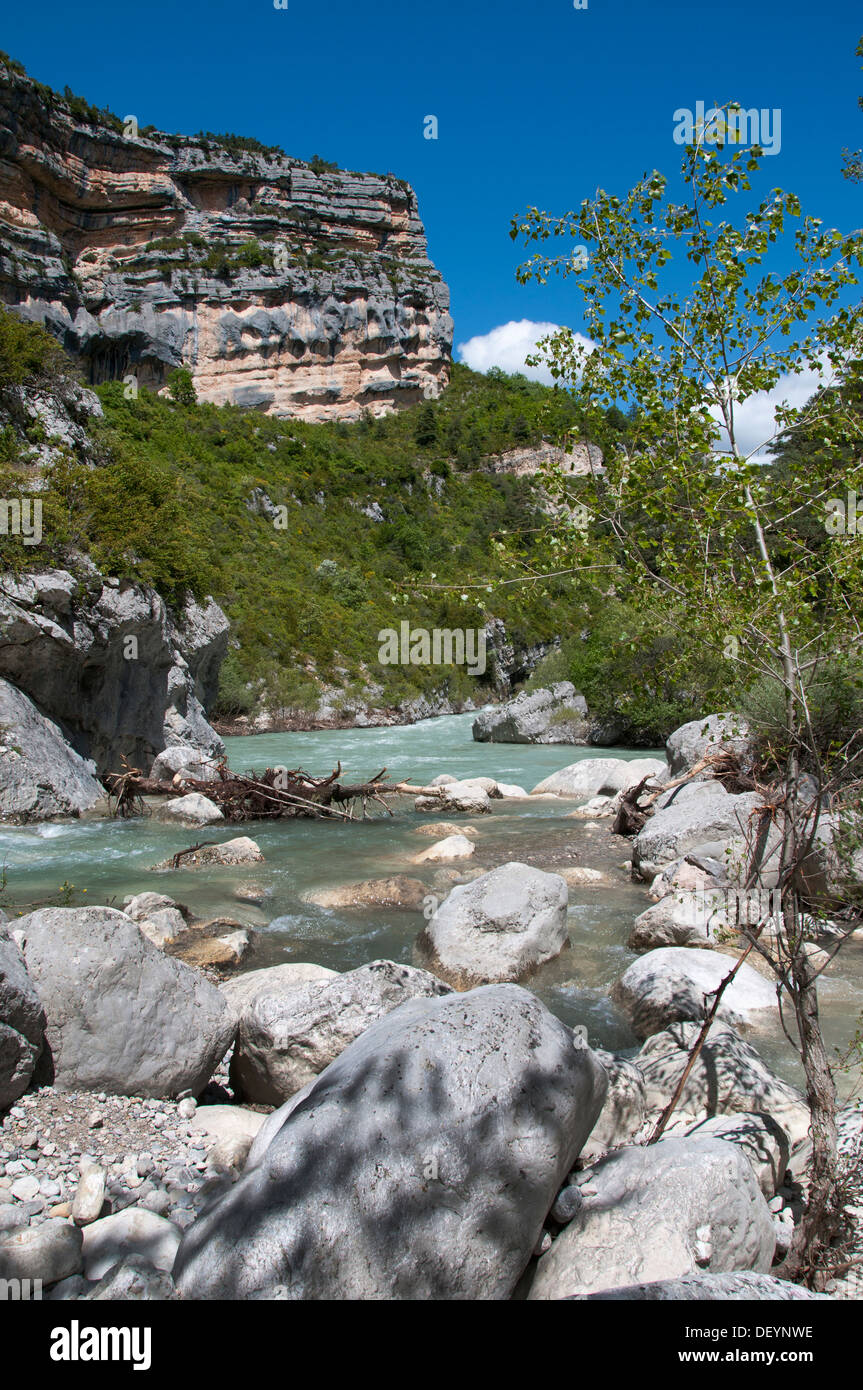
(106, 860)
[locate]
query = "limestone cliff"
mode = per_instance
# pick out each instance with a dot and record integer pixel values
(299, 290)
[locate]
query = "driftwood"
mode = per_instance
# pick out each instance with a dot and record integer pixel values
(636, 806)
(271, 795)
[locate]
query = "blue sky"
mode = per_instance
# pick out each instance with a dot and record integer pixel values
(537, 103)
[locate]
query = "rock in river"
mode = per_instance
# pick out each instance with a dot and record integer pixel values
(499, 927)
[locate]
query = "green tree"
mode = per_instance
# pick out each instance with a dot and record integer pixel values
(690, 320)
(181, 387)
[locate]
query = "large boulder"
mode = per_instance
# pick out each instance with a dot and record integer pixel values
(420, 1165)
(121, 1016)
(555, 715)
(499, 927)
(286, 1039)
(41, 776)
(714, 734)
(120, 672)
(22, 1022)
(683, 919)
(660, 1212)
(599, 776)
(728, 1078)
(699, 817)
(669, 985)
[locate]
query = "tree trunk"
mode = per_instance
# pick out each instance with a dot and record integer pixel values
(820, 1218)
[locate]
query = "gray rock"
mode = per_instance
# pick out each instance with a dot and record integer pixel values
(699, 817)
(659, 1213)
(286, 1039)
(22, 1022)
(762, 1139)
(669, 985)
(41, 777)
(501, 926)
(599, 776)
(187, 760)
(240, 850)
(728, 1078)
(89, 1196)
(742, 1286)
(192, 809)
(49, 1251)
(625, 1109)
(135, 1231)
(715, 733)
(420, 1165)
(65, 644)
(122, 1017)
(134, 1279)
(683, 919)
(556, 715)
(239, 992)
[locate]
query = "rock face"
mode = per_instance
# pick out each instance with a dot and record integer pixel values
(699, 818)
(713, 734)
(668, 986)
(22, 1022)
(40, 775)
(297, 290)
(287, 1038)
(729, 1078)
(499, 927)
(660, 1213)
(420, 1165)
(121, 1016)
(594, 776)
(106, 660)
(556, 715)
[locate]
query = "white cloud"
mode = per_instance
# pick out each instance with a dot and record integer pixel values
(754, 418)
(508, 345)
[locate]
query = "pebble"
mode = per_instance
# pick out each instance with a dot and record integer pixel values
(25, 1189)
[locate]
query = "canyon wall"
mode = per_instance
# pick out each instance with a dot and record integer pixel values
(296, 289)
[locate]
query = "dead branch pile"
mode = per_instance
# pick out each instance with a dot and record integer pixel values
(636, 805)
(274, 794)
